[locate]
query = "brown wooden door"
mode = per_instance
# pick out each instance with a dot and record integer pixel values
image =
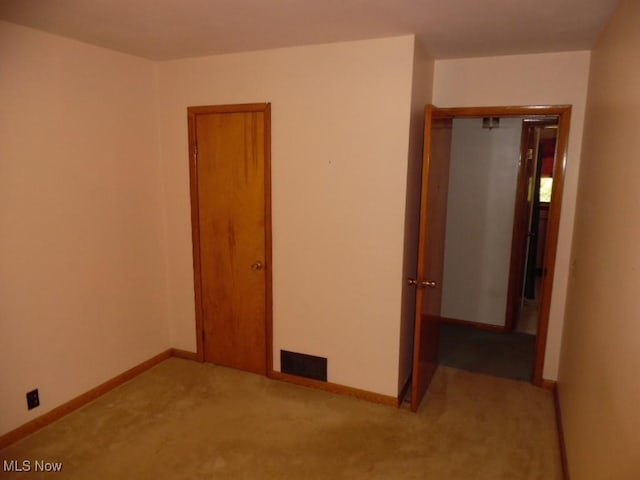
(231, 224)
(525, 228)
(433, 217)
(521, 221)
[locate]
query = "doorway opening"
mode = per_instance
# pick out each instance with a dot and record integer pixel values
(505, 243)
(499, 195)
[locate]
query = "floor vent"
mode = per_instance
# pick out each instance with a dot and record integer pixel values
(303, 365)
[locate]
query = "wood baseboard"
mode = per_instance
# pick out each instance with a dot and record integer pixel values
(548, 384)
(561, 443)
(335, 388)
(79, 401)
(176, 352)
(478, 325)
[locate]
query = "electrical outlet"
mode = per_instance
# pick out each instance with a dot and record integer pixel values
(33, 399)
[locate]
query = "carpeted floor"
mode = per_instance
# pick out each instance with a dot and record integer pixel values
(186, 420)
(508, 355)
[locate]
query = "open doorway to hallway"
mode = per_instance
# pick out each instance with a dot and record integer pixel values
(499, 197)
(433, 312)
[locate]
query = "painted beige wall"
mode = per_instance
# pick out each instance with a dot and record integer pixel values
(541, 79)
(340, 117)
(82, 292)
(599, 384)
(480, 205)
(421, 90)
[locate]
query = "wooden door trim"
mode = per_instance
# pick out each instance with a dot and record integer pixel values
(551, 248)
(192, 113)
(336, 388)
(508, 111)
(563, 112)
(195, 230)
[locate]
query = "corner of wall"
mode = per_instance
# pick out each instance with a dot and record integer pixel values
(160, 160)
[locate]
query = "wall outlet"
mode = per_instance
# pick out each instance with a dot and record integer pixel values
(33, 399)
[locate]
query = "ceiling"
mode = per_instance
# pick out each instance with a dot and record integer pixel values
(170, 29)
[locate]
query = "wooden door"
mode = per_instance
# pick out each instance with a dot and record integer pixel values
(525, 239)
(521, 222)
(433, 217)
(230, 199)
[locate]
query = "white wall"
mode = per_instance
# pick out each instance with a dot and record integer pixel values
(82, 290)
(88, 252)
(542, 79)
(480, 206)
(97, 236)
(340, 117)
(421, 90)
(599, 385)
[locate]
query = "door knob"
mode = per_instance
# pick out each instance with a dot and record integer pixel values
(423, 284)
(257, 266)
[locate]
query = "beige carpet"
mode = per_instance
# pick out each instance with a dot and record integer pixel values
(185, 420)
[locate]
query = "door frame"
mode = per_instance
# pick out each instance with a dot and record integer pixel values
(563, 112)
(192, 113)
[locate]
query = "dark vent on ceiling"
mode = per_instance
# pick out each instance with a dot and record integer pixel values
(303, 365)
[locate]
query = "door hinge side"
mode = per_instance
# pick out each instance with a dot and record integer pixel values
(195, 149)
